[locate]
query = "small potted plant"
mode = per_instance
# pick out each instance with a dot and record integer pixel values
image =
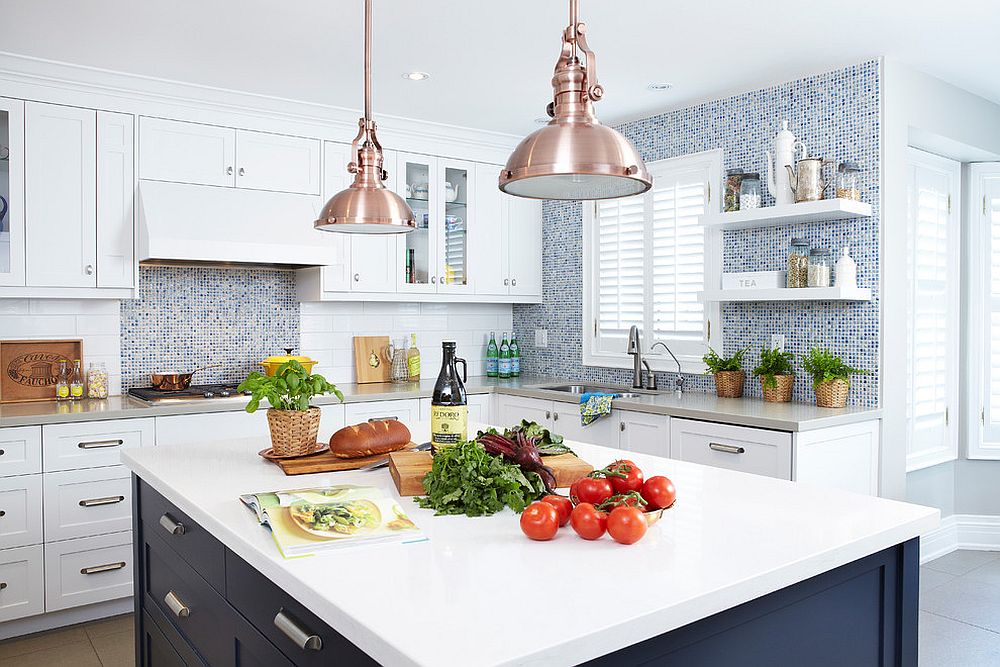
(294, 424)
(729, 375)
(777, 375)
(831, 377)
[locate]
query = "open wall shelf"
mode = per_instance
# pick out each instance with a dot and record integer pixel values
(825, 210)
(790, 294)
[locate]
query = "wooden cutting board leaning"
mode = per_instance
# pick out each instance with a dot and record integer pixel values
(30, 368)
(370, 363)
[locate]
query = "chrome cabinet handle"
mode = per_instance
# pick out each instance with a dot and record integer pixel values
(442, 280)
(173, 527)
(357, 277)
(3, 513)
(513, 282)
(97, 502)
(728, 449)
(3, 585)
(176, 606)
(2, 452)
(506, 282)
(293, 629)
(555, 416)
(434, 279)
(621, 426)
(107, 567)
(391, 418)
(548, 414)
(229, 171)
(100, 444)
(242, 171)
(89, 269)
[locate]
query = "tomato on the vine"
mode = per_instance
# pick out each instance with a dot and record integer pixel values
(659, 492)
(588, 522)
(574, 496)
(630, 499)
(626, 525)
(540, 521)
(593, 490)
(625, 476)
(562, 505)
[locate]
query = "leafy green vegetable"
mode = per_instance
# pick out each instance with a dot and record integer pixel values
(718, 364)
(824, 366)
(290, 388)
(465, 479)
(547, 442)
(772, 363)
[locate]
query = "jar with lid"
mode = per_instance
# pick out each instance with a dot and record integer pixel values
(97, 381)
(750, 191)
(732, 190)
(848, 181)
(798, 264)
(820, 268)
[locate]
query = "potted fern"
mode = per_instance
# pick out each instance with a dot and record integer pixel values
(728, 372)
(777, 375)
(293, 422)
(831, 377)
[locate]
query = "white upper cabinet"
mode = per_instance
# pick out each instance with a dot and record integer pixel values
(458, 223)
(60, 196)
(524, 245)
(490, 250)
(181, 152)
(417, 176)
(277, 162)
(115, 197)
(12, 192)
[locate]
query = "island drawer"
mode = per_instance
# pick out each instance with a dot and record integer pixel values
(270, 609)
(92, 444)
(20, 511)
(20, 450)
(189, 540)
(88, 570)
(159, 650)
(81, 503)
(753, 450)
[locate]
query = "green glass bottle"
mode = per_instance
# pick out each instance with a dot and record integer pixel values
(492, 357)
(515, 356)
(504, 358)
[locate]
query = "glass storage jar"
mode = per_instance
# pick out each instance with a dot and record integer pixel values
(798, 264)
(820, 268)
(97, 381)
(732, 190)
(848, 181)
(750, 191)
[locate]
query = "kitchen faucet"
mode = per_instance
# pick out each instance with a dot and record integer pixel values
(679, 384)
(635, 349)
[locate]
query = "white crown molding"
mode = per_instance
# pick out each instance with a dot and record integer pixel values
(42, 80)
(978, 532)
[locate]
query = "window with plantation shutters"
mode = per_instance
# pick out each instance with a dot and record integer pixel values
(984, 315)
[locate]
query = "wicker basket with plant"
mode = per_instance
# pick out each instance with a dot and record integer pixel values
(831, 377)
(728, 372)
(777, 375)
(293, 422)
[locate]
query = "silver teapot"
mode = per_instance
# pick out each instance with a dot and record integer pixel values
(806, 180)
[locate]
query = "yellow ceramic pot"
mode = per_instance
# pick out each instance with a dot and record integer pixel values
(272, 364)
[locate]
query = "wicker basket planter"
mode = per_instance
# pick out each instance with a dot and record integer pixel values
(729, 384)
(293, 432)
(781, 393)
(832, 394)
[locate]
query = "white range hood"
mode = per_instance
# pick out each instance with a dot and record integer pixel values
(183, 223)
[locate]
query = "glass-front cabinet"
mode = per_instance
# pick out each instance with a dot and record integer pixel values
(453, 247)
(11, 192)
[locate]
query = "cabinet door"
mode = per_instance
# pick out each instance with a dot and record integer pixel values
(336, 275)
(60, 184)
(373, 262)
(644, 433)
(524, 245)
(488, 240)
(11, 192)
(416, 181)
(406, 411)
(739, 448)
(277, 162)
(566, 422)
(457, 223)
(171, 150)
(211, 426)
(20, 511)
(512, 409)
(21, 573)
(115, 196)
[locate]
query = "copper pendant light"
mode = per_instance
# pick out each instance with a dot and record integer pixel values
(367, 206)
(574, 156)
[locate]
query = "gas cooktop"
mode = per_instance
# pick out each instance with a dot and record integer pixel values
(196, 392)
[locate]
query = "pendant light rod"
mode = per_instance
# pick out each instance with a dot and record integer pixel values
(368, 60)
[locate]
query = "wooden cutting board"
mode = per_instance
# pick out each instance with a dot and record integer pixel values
(29, 368)
(327, 462)
(370, 364)
(409, 468)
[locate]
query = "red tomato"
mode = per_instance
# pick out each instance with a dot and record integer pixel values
(631, 479)
(626, 525)
(593, 490)
(562, 505)
(588, 522)
(573, 494)
(659, 492)
(540, 521)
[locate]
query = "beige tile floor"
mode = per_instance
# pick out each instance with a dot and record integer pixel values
(105, 643)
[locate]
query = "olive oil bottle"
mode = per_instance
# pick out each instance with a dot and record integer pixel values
(449, 404)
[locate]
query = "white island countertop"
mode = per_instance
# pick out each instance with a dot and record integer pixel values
(479, 592)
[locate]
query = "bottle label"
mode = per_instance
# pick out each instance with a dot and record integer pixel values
(492, 366)
(505, 367)
(62, 390)
(449, 425)
(76, 390)
(515, 366)
(413, 364)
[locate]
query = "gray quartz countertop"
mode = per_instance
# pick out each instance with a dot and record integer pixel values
(692, 405)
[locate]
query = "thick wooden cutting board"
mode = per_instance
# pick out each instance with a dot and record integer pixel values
(409, 468)
(327, 462)
(370, 363)
(29, 368)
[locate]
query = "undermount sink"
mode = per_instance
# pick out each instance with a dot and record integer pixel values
(579, 389)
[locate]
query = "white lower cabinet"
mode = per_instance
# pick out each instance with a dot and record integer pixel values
(20, 511)
(734, 447)
(406, 411)
(561, 417)
(88, 570)
(512, 409)
(20, 450)
(644, 433)
(22, 582)
(215, 426)
(80, 503)
(91, 444)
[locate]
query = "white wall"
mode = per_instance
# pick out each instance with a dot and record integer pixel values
(327, 331)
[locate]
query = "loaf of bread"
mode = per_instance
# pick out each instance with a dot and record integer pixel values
(368, 439)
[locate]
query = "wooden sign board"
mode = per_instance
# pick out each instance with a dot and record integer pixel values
(31, 367)
(370, 362)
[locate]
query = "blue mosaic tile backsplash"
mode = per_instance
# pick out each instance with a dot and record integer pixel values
(189, 317)
(837, 115)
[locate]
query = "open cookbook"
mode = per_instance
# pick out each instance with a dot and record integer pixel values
(306, 522)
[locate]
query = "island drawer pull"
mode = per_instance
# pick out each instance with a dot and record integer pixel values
(384, 419)
(99, 444)
(107, 567)
(173, 527)
(96, 502)
(176, 606)
(292, 628)
(728, 449)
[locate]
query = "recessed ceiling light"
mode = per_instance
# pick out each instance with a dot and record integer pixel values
(660, 86)
(543, 120)
(416, 76)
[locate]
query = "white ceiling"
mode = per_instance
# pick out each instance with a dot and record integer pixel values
(490, 62)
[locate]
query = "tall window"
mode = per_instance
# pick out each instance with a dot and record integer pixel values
(645, 265)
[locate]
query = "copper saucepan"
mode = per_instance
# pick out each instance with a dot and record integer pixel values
(174, 381)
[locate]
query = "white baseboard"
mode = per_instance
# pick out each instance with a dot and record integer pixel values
(979, 532)
(59, 619)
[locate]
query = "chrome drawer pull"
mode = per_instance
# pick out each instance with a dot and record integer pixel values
(2, 452)
(383, 419)
(108, 567)
(3, 585)
(99, 444)
(176, 606)
(292, 629)
(95, 502)
(3, 513)
(173, 527)
(728, 449)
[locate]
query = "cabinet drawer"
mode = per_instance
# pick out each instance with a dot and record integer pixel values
(88, 570)
(92, 444)
(20, 511)
(183, 535)
(211, 426)
(156, 631)
(20, 450)
(81, 503)
(270, 609)
(406, 411)
(753, 450)
(22, 586)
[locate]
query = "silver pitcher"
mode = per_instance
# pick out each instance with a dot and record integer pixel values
(806, 180)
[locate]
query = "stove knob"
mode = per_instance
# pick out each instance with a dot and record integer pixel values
(209, 394)
(225, 393)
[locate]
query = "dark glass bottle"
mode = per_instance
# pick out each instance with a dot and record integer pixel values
(449, 404)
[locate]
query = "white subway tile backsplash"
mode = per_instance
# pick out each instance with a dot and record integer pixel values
(311, 323)
(76, 307)
(98, 324)
(38, 326)
(13, 306)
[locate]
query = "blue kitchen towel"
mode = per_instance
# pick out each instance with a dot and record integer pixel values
(594, 405)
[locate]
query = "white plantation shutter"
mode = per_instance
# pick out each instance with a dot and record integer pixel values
(986, 311)
(621, 269)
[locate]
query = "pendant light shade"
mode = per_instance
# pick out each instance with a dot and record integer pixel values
(367, 206)
(574, 156)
